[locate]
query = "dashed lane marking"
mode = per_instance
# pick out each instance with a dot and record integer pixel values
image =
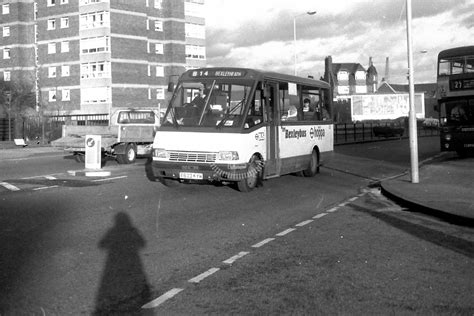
(173, 292)
(108, 179)
(285, 232)
(304, 223)
(236, 257)
(203, 275)
(263, 242)
(163, 298)
(44, 188)
(9, 186)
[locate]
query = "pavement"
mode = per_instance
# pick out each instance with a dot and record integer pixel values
(445, 187)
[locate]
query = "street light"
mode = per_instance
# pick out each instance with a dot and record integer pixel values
(294, 32)
(412, 114)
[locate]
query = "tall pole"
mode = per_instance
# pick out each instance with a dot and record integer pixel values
(412, 113)
(294, 41)
(294, 36)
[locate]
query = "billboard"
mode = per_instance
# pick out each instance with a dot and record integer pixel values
(385, 106)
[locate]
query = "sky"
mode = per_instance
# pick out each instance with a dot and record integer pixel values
(259, 34)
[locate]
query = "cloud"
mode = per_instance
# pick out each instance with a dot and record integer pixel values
(259, 34)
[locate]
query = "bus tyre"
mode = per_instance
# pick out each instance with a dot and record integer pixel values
(129, 156)
(313, 167)
(253, 175)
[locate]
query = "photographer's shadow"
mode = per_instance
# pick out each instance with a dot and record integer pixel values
(124, 287)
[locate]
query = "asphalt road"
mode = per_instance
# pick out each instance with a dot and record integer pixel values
(77, 245)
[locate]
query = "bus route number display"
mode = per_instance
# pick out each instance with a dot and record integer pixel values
(462, 84)
(218, 73)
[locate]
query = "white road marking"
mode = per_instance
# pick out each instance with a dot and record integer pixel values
(320, 215)
(203, 275)
(44, 188)
(163, 298)
(9, 186)
(263, 242)
(50, 177)
(332, 209)
(236, 257)
(353, 199)
(304, 223)
(285, 232)
(108, 179)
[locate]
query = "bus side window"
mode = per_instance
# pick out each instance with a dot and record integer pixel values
(255, 114)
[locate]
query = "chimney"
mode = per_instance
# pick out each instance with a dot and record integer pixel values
(387, 70)
(370, 62)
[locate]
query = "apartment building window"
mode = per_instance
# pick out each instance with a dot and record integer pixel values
(86, 2)
(51, 24)
(52, 95)
(64, 47)
(158, 4)
(149, 94)
(94, 45)
(6, 76)
(95, 95)
(159, 49)
(194, 30)
(342, 75)
(6, 53)
(149, 71)
(160, 71)
(64, 23)
(6, 31)
(50, 3)
(159, 26)
(94, 20)
(64, 1)
(65, 71)
(160, 94)
(195, 52)
(51, 48)
(65, 95)
(51, 72)
(193, 8)
(93, 70)
(6, 8)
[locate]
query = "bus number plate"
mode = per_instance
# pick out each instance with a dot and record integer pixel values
(191, 175)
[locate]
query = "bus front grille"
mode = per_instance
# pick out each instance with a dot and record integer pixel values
(192, 156)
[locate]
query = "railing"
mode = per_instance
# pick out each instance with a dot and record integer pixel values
(363, 132)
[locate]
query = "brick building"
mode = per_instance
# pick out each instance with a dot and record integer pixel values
(95, 56)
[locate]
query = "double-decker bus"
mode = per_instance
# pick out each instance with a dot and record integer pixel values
(241, 126)
(456, 99)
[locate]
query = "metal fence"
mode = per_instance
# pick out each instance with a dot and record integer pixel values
(362, 132)
(49, 128)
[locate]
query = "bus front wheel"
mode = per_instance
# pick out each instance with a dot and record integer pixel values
(313, 167)
(252, 176)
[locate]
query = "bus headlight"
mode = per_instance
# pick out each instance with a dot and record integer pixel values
(228, 155)
(160, 153)
(447, 137)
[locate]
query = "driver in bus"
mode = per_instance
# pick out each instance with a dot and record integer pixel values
(458, 113)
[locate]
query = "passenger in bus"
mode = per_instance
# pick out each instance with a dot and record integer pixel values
(458, 113)
(200, 100)
(292, 114)
(306, 105)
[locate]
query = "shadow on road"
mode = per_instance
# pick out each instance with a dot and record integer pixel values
(124, 287)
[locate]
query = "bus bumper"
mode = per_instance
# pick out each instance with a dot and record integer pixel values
(199, 172)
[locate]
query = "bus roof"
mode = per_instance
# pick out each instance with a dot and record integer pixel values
(456, 52)
(247, 73)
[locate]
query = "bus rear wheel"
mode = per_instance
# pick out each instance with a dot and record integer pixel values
(253, 175)
(313, 167)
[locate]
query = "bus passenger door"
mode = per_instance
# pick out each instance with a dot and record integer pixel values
(272, 161)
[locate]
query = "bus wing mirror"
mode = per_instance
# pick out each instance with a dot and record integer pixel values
(170, 87)
(266, 93)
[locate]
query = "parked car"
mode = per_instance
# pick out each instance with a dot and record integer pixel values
(390, 128)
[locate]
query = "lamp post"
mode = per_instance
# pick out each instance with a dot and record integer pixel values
(294, 32)
(412, 114)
